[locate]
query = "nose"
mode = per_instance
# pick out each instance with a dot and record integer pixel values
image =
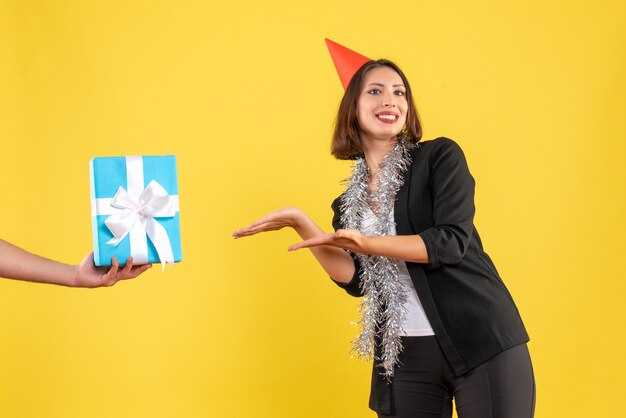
(388, 101)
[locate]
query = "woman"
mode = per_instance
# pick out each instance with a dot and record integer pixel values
(436, 317)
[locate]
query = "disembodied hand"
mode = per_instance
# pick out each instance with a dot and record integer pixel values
(88, 275)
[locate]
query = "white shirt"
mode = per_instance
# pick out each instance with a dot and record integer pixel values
(415, 323)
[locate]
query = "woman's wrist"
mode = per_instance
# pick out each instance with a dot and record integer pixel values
(366, 244)
(304, 225)
(298, 219)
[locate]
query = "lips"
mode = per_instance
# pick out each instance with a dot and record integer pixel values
(387, 117)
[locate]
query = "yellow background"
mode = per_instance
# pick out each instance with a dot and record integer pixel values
(244, 93)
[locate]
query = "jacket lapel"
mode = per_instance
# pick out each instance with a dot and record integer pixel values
(400, 209)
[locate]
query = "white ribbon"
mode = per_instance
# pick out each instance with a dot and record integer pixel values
(133, 214)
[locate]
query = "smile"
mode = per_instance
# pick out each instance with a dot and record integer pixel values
(387, 117)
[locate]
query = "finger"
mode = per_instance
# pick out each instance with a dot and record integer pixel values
(109, 278)
(345, 233)
(136, 271)
(246, 232)
(325, 239)
(298, 246)
(89, 259)
(255, 224)
(243, 232)
(252, 225)
(127, 267)
(267, 218)
(259, 226)
(141, 269)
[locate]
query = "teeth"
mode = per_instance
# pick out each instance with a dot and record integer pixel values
(390, 117)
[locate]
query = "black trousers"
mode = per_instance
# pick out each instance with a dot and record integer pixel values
(424, 385)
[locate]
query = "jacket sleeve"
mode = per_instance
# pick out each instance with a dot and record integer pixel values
(353, 288)
(452, 193)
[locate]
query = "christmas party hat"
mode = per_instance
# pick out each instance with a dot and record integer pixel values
(347, 62)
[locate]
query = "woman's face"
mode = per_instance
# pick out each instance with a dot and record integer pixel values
(382, 104)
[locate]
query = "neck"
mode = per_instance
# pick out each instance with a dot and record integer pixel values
(375, 150)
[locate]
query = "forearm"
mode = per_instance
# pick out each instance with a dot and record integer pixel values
(402, 247)
(18, 264)
(335, 261)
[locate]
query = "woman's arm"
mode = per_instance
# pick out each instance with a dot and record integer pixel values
(335, 261)
(452, 191)
(15, 263)
(402, 247)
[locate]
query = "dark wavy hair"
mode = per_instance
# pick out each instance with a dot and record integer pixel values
(346, 144)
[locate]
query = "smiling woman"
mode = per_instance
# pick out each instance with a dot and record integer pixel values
(384, 80)
(436, 317)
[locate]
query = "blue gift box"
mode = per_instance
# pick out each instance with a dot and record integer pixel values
(134, 209)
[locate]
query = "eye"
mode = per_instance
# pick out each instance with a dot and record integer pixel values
(399, 93)
(374, 91)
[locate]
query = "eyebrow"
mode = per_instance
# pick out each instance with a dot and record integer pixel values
(382, 85)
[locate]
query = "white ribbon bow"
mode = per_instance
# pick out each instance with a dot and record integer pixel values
(152, 202)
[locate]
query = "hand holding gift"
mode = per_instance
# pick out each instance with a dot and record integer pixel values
(16, 263)
(88, 275)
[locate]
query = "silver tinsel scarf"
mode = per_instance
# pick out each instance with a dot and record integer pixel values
(382, 308)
